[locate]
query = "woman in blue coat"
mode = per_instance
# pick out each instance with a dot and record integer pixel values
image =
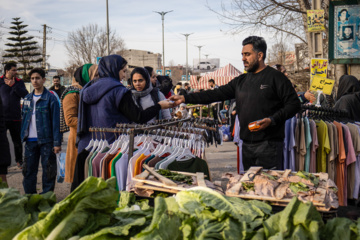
(106, 101)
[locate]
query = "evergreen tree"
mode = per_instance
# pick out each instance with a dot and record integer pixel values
(22, 50)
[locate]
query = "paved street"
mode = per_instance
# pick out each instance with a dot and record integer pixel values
(221, 159)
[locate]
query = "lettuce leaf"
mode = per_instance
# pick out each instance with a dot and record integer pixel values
(70, 215)
(13, 217)
(165, 223)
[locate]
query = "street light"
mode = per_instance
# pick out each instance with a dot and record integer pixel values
(107, 28)
(162, 18)
(187, 35)
(199, 52)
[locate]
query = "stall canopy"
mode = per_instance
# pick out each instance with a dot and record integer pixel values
(221, 76)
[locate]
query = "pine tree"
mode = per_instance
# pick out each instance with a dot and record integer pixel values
(22, 50)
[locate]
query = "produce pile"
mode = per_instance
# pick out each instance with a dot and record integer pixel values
(278, 185)
(94, 211)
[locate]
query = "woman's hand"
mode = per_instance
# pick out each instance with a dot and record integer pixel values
(165, 104)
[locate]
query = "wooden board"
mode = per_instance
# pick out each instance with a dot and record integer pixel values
(265, 198)
(160, 189)
(163, 179)
(200, 179)
(159, 184)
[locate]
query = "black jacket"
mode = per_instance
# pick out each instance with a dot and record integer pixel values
(59, 92)
(11, 97)
(268, 93)
(351, 104)
(5, 159)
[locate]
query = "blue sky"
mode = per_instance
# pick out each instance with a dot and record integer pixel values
(135, 22)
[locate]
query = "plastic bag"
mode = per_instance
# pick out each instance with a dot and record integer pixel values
(60, 159)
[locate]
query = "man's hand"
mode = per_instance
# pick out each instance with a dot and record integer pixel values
(10, 82)
(309, 96)
(178, 99)
(264, 123)
(165, 104)
(233, 112)
(57, 149)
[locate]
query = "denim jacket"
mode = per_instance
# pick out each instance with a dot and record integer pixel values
(47, 118)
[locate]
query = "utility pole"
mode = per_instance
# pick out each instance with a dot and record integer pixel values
(187, 35)
(206, 55)
(162, 18)
(44, 48)
(107, 28)
(43, 63)
(199, 52)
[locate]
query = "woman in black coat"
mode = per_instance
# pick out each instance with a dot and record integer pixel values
(348, 96)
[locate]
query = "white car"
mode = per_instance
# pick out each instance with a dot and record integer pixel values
(206, 65)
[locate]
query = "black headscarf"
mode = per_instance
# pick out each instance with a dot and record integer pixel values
(78, 76)
(110, 66)
(347, 85)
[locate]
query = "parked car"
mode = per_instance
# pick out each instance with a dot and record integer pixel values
(206, 65)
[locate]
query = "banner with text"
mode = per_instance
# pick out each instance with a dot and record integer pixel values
(318, 67)
(322, 84)
(315, 20)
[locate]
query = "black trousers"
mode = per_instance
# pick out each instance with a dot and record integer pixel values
(267, 154)
(15, 132)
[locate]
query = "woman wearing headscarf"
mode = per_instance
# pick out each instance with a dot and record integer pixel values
(106, 101)
(145, 95)
(69, 114)
(348, 96)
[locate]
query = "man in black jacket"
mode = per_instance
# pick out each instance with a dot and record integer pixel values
(57, 87)
(263, 94)
(12, 90)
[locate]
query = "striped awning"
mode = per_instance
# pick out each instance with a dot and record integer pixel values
(221, 77)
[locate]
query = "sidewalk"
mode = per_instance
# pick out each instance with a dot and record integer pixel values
(221, 159)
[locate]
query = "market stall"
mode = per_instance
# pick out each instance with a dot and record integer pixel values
(221, 76)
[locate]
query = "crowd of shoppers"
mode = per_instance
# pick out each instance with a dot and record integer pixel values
(98, 98)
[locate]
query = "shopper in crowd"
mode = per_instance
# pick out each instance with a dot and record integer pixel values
(105, 102)
(214, 107)
(188, 88)
(145, 95)
(264, 95)
(348, 96)
(12, 90)
(40, 130)
(5, 159)
(179, 90)
(163, 83)
(57, 87)
(69, 114)
(212, 84)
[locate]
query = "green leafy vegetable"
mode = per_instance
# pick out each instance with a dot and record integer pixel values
(308, 176)
(298, 187)
(271, 177)
(248, 186)
(13, 217)
(297, 221)
(178, 177)
(88, 207)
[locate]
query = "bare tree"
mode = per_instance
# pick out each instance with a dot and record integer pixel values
(88, 42)
(279, 16)
(276, 54)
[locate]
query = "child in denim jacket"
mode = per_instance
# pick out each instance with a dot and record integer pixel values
(40, 130)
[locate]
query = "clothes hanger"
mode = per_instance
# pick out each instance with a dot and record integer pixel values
(91, 143)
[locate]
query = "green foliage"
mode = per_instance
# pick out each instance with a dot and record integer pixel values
(22, 49)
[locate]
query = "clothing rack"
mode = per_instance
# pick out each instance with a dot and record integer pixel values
(325, 112)
(133, 129)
